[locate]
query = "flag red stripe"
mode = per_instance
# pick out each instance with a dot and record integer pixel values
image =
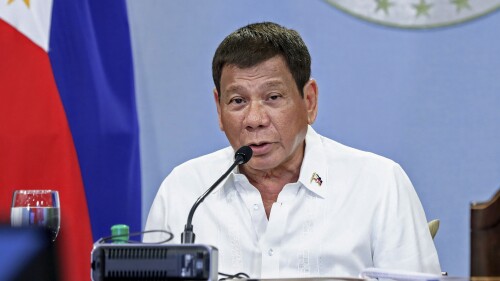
(36, 146)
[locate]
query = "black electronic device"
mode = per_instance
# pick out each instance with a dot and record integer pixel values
(27, 254)
(154, 262)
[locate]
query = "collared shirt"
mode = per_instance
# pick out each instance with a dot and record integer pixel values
(349, 210)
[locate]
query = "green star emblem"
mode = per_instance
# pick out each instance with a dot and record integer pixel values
(461, 4)
(422, 8)
(383, 5)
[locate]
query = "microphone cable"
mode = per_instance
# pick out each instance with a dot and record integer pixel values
(103, 240)
(239, 275)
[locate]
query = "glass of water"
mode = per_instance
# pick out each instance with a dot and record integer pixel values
(36, 208)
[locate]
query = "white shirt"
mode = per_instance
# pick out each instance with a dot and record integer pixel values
(360, 211)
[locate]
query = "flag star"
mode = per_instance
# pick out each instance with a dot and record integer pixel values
(383, 5)
(27, 2)
(461, 4)
(422, 8)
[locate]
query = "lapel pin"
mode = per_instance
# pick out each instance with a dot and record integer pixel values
(316, 178)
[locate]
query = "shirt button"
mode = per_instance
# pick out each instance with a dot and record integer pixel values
(255, 207)
(270, 252)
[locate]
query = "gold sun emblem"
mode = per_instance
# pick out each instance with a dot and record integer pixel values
(27, 2)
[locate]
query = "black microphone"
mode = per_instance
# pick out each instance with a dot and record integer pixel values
(241, 156)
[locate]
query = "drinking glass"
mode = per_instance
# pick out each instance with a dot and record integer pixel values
(36, 208)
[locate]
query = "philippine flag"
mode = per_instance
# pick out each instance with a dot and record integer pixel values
(68, 118)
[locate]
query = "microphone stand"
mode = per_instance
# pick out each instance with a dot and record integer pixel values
(242, 156)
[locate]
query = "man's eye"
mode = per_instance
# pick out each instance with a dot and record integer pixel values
(274, 97)
(236, 101)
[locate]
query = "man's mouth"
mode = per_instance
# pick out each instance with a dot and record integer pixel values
(258, 144)
(260, 148)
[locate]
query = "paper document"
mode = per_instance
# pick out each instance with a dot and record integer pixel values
(402, 275)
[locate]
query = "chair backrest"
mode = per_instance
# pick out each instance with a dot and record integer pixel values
(433, 227)
(485, 237)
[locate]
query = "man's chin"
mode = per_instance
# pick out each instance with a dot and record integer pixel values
(259, 165)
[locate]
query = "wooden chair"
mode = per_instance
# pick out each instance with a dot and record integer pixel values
(433, 227)
(485, 237)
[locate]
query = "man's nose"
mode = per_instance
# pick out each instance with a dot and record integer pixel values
(256, 116)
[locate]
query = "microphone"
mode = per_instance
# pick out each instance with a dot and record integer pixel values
(241, 156)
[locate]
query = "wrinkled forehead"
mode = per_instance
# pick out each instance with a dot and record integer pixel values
(277, 61)
(270, 74)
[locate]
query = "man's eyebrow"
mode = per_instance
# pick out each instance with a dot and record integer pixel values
(266, 85)
(234, 88)
(272, 84)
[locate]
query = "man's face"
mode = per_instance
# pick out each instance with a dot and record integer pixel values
(261, 107)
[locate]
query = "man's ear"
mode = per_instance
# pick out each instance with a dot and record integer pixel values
(217, 104)
(311, 100)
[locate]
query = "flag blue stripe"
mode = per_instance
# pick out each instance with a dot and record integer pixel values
(91, 57)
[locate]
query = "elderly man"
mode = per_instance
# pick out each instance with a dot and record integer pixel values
(304, 205)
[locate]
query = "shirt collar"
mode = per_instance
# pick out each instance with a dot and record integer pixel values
(313, 172)
(227, 184)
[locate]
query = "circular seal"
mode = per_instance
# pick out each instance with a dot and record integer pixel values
(417, 13)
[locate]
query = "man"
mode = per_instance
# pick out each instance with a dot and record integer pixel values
(304, 205)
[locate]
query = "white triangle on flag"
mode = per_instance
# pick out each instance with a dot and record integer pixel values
(30, 17)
